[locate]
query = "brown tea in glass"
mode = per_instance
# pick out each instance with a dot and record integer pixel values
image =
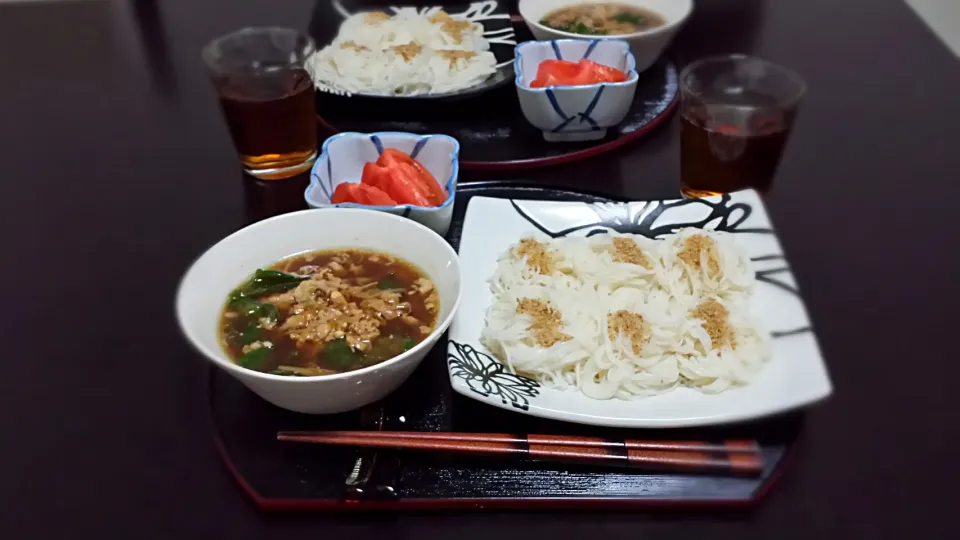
(735, 116)
(267, 98)
(265, 114)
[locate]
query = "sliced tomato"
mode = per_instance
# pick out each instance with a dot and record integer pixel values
(374, 175)
(376, 197)
(406, 189)
(602, 73)
(392, 156)
(403, 164)
(346, 193)
(408, 176)
(436, 188)
(361, 194)
(546, 80)
(557, 68)
(584, 76)
(563, 73)
(557, 73)
(434, 191)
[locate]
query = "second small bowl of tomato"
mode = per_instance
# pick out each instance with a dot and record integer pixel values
(575, 89)
(414, 176)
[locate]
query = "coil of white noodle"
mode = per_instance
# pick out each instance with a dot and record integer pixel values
(713, 369)
(615, 370)
(735, 278)
(513, 270)
(509, 336)
(594, 260)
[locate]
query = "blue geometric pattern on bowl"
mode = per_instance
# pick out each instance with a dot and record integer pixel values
(598, 106)
(343, 156)
(582, 116)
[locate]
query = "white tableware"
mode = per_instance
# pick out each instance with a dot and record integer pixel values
(204, 289)
(646, 46)
(343, 156)
(575, 113)
(794, 377)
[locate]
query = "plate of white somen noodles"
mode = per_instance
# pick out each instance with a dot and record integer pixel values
(445, 50)
(639, 314)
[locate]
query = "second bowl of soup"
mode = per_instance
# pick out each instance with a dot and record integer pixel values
(321, 311)
(646, 25)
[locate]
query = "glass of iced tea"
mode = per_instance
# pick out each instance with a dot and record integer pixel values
(267, 98)
(735, 115)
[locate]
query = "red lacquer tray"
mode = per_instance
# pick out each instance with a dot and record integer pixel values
(286, 476)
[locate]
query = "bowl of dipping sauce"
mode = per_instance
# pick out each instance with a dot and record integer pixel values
(646, 25)
(556, 92)
(321, 311)
(409, 175)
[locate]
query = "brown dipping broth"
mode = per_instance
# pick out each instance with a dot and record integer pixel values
(242, 324)
(607, 19)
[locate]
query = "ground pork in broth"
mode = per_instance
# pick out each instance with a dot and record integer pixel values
(327, 312)
(607, 19)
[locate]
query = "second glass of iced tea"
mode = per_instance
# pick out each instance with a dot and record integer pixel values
(267, 98)
(735, 113)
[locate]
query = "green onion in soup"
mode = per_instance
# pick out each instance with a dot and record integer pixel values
(602, 19)
(327, 312)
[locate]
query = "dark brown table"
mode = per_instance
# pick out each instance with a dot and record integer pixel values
(116, 171)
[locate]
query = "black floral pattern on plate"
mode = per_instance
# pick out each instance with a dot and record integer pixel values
(641, 218)
(488, 377)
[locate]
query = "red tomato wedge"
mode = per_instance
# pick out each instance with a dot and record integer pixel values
(361, 194)
(402, 164)
(345, 193)
(377, 197)
(395, 178)
(546, 80)
(586, 75)
(375, 175)
(405, 189)
(563, 73)
(560, 68)
(604, 73)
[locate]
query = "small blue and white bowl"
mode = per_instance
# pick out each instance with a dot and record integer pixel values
(575, 113)
(343, 156)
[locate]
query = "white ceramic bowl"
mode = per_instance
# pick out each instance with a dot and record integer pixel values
(575, 113)
(343, 156)
(646, 46)
(205, 286)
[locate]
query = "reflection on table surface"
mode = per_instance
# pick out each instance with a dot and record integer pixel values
(267, 198)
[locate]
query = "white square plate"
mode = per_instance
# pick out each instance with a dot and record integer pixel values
(794, 377)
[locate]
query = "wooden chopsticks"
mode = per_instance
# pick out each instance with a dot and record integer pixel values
(739, 457)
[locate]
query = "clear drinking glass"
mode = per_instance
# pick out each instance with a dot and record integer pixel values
(735, 115)
(267, 98)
